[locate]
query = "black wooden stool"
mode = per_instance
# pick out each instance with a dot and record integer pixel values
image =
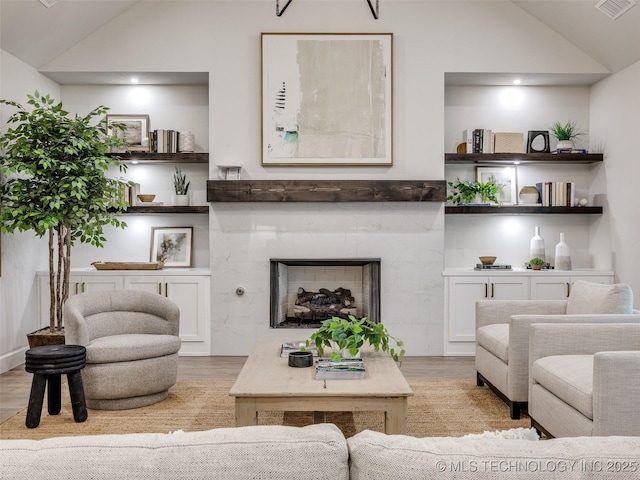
(47, 364)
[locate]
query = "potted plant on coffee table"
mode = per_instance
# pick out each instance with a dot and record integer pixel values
(347, 335)
(55, 183)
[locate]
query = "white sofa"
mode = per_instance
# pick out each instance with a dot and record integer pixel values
(315, 452)
(502, 332)
(585, 379)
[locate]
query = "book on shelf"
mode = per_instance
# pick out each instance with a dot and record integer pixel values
(478, 140)
(557, 194)
(571, 150)
(495, 266)
(288, 347)
(345, 369)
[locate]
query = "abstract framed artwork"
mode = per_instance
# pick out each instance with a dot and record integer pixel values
(327, 99)
(172, 245)
(505, 178)
(137, 131)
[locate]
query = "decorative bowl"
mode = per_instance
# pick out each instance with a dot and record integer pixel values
(146, 197)
(487, 260)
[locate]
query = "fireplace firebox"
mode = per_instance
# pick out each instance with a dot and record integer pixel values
(305, 292)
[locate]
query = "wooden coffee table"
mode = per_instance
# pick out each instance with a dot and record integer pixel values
(268, 383)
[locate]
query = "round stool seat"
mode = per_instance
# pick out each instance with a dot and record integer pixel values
(47, 363)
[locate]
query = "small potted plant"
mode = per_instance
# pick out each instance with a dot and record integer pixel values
(467, 192)
(347, 336)
(536, 263)
(565, 134)
(181, 188)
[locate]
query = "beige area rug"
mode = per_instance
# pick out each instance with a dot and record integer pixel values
(438, 408)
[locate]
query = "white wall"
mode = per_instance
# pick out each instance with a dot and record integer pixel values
(22, 253)
(615, 125)
(430, 38)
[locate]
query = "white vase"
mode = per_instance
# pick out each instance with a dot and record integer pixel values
(181, 200)
(565, 145)
(563, 255)
(346, 353)
(186, 142)
(536, 246)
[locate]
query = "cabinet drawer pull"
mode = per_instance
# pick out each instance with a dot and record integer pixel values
(492, 285)
(486, 290)
(159, 288)
(77, 285)
(166, 290)
(568, 289)
(83, 287)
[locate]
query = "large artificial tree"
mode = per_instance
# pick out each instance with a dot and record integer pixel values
(55, 182)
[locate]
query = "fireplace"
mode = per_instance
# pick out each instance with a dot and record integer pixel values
(304, 292)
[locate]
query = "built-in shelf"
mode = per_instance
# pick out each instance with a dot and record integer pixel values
(152, 157)
(520, 210)
(149, 209)
(522, 158)
(326, 191)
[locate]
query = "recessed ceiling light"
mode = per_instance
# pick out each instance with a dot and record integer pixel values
(134, 80)
(517, 81)
(48, 3)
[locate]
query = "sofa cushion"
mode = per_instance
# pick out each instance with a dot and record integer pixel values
(495, 338)
(261, 452)
(589, 297)
(374, 455)
(568, 377)
(131, 347)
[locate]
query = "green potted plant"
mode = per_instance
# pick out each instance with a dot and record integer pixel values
(348, 335)
(565, 134)
(466, 192)
(536, 263)
(55, 183)
(181, 188)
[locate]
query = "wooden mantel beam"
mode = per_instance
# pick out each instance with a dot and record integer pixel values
(326, 191)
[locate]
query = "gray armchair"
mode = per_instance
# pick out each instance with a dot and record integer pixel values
(132, 344)
(584, 379)
(502, 332)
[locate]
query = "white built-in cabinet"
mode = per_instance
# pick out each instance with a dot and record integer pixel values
(465, 287)
(188, 288)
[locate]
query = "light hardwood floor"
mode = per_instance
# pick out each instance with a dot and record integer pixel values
(15, 385)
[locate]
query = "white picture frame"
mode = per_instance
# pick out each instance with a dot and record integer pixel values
(173, 245)
(505, 178)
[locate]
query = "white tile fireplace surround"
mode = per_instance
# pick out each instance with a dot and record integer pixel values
(408, 238)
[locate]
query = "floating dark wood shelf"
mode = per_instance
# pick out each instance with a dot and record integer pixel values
(151, 157)
(519, 210)
(149, 209)
(523, 158)
(326, 191)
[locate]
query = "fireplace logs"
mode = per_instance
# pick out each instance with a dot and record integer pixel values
(324, 304)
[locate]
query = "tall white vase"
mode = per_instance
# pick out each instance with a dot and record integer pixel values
(563, 255)
(536, 247)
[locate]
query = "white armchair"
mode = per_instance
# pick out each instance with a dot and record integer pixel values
(132, 343)
(584, 379)
(502, 333)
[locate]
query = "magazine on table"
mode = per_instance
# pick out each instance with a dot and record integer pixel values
(288, 347)
(345, 369)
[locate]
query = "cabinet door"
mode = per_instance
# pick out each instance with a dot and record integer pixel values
(149, 283)
(95, 283)
(550, 288)
(508, 288)
(188, 293)
(463, 292)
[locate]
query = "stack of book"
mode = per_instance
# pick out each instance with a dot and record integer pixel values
(345, 369)
(479, 140)
(557, 194)
(288, 347)
(164, 141)
(495, 266)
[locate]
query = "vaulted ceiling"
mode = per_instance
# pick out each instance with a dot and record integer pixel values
(36, 35)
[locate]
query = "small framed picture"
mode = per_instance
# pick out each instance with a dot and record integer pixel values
(172, 245)
(137, 132)
(505, 178)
